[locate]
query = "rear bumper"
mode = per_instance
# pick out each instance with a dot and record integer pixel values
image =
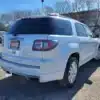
(20, 69)
(30, 71)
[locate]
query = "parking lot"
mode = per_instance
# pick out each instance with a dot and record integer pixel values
(86, 88)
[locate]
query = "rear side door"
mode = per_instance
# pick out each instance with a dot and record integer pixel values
(93, 41)
(85, 43)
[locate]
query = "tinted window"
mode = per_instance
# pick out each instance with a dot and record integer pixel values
(63, 27)
(80, 30)
(42, 26)
(32, 26)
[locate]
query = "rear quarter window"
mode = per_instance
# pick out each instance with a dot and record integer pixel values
(81, 31)
(63, 27)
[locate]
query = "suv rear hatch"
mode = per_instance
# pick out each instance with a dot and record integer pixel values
(29, 38)
(19, 41)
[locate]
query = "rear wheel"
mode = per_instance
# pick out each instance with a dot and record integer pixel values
(71, 73)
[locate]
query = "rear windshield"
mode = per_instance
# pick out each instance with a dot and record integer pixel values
(42, 26)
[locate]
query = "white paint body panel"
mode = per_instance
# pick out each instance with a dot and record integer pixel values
(47, 65)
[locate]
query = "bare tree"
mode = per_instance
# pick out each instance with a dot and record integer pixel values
(78, 5)
(81, 5)
(63, 7)
(92, 19)
(48, 9)
(21, 14)
(97, 21)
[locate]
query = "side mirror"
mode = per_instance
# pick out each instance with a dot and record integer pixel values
(96, 36)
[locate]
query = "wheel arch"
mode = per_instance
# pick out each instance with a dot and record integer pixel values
(76, 54)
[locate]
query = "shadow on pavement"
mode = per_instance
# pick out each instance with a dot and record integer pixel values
(18, 88)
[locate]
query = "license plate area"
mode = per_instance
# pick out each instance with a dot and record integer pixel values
(15, 44)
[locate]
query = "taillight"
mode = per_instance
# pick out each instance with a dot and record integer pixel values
(44, 45)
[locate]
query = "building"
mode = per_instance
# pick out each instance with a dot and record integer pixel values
(91, 18)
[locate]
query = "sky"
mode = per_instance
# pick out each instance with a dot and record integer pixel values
(11, 5)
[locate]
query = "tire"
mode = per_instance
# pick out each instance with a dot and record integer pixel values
(67, 81)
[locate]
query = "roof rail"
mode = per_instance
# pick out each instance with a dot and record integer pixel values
(53, 14)
(57, 14)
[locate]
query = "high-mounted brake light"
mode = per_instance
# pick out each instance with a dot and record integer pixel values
(44, 45)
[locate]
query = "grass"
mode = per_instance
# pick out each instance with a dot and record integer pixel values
(2, 74)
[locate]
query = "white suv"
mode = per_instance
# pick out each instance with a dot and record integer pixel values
(48, 48)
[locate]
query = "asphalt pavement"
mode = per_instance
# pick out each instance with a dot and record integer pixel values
(87, 86)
